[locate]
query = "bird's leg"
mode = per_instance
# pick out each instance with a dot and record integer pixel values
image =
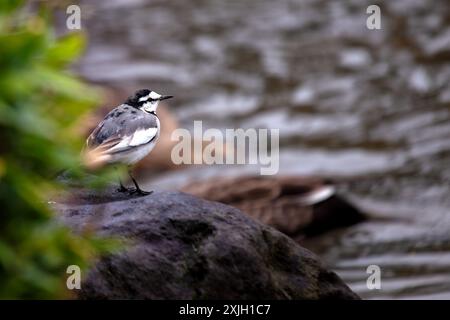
(122, 188)
(138, 190)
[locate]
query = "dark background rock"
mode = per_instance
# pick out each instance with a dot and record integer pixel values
(291, 204)
(187, 248)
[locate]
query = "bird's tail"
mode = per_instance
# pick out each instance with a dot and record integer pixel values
(94, 158)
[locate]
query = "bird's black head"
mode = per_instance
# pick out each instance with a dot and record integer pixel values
(134, 99)
(146, 99)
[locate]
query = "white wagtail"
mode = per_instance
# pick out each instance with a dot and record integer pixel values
(127, 134)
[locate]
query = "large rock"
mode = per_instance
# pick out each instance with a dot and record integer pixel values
(187, 248)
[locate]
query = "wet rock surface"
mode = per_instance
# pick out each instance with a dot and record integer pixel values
(183, 247)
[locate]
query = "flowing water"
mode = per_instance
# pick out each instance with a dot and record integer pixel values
(370, 108)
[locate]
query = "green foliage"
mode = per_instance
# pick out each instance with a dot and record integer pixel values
(40, 106)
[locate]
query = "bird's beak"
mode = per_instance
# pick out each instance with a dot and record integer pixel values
(165, 97)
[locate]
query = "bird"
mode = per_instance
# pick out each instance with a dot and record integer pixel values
(127, 134)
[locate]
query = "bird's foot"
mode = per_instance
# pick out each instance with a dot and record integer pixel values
(122, 189)
(139, 192)
(144, 193)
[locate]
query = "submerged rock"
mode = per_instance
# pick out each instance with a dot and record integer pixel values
(183, 247)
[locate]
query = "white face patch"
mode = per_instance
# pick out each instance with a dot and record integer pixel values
(151, 95)
(154, 95)
(151, 105)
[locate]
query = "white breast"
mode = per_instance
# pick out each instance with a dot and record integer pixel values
(136, 154)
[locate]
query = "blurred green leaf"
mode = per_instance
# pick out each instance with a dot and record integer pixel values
(40, 103)
(8, 6)
(66, 49)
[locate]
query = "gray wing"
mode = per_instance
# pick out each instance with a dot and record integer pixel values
(123, 128)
